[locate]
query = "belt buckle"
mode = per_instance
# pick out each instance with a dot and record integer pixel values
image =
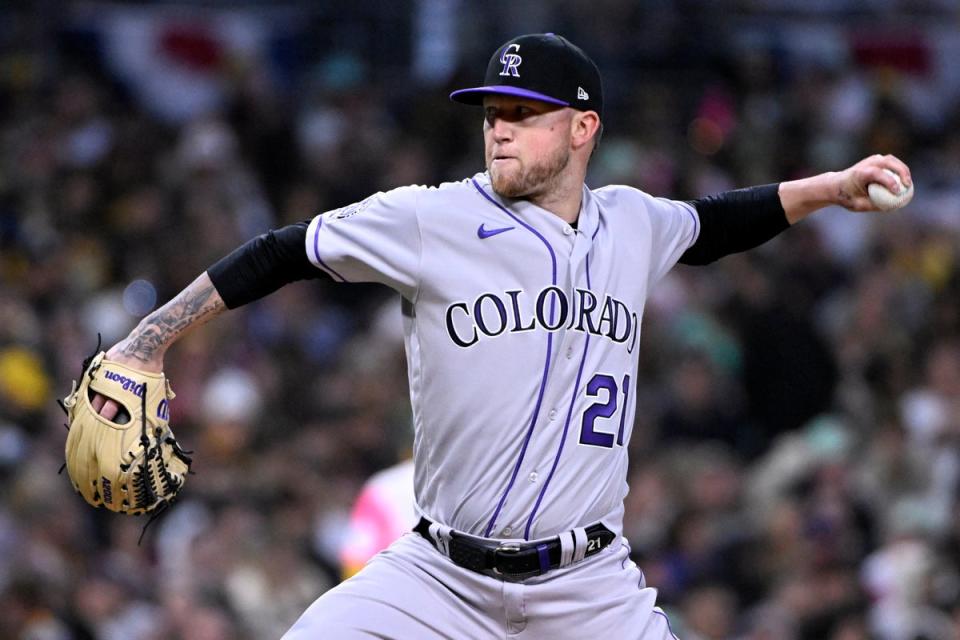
(509, 549)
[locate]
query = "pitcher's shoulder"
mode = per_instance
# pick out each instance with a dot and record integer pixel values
(422, 196)
(466, 185)
(623, 200)
(614, 194)
(458, 194)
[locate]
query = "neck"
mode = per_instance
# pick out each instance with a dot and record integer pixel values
(563, 199)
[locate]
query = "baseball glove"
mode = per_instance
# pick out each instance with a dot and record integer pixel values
(132, 465)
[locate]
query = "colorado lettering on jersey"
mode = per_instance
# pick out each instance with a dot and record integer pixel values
(491, 315)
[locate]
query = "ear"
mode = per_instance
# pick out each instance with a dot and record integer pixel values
(583, 128)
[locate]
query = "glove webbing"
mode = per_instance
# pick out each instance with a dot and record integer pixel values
(144, 491)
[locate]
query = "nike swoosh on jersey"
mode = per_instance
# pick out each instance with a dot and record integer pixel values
(483, 234)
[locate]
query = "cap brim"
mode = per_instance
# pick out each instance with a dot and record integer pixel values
(476, 94)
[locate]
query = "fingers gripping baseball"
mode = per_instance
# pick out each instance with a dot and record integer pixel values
(855, 181)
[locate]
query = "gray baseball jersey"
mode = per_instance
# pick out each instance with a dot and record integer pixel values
(521, 335)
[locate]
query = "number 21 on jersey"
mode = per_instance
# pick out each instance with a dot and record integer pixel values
(604, 409)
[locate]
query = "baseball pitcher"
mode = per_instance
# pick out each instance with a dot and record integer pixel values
(523, 291)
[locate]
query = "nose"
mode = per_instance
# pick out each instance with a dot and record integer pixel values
(501, 129)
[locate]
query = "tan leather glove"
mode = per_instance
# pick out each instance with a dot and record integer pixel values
(131, 467)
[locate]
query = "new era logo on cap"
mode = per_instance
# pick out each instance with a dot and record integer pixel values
(554, 70)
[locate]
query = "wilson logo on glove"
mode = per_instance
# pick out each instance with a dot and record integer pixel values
(128, 384)
(163, 410)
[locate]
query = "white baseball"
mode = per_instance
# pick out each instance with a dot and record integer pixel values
(884, 199)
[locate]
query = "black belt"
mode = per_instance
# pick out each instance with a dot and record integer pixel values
(512, 560)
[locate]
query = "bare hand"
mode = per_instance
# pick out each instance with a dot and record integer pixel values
(854, 181)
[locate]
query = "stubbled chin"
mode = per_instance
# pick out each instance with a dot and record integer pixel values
(504, 184)
(505, 188)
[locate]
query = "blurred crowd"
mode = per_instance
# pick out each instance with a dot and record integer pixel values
(796, 456)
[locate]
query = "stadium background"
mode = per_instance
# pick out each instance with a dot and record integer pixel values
(795, 462)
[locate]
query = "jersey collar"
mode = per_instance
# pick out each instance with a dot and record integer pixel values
(587, 221)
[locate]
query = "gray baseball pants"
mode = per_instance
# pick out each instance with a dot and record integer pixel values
(413, 592)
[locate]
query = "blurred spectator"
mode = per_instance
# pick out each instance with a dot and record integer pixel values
(384, 511)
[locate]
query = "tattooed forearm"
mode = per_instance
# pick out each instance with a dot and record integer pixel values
(193, 306)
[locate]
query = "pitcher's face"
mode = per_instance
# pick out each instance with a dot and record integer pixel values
(526, 144)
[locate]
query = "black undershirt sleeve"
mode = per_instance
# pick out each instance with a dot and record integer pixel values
(262, 265)
(735, 221)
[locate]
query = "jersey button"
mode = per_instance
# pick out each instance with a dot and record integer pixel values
(567, 230)
(569, 352)
(533, 476)
(553, 413)
(507, 531)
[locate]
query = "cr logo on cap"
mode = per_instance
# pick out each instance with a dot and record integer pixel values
(511, 61)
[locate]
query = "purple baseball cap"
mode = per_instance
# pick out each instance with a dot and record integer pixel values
(540, 66)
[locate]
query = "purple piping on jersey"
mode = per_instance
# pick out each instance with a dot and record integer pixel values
(544, 556)
(566, 425)
(669, 628)
(316, 250)
(546, 364)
